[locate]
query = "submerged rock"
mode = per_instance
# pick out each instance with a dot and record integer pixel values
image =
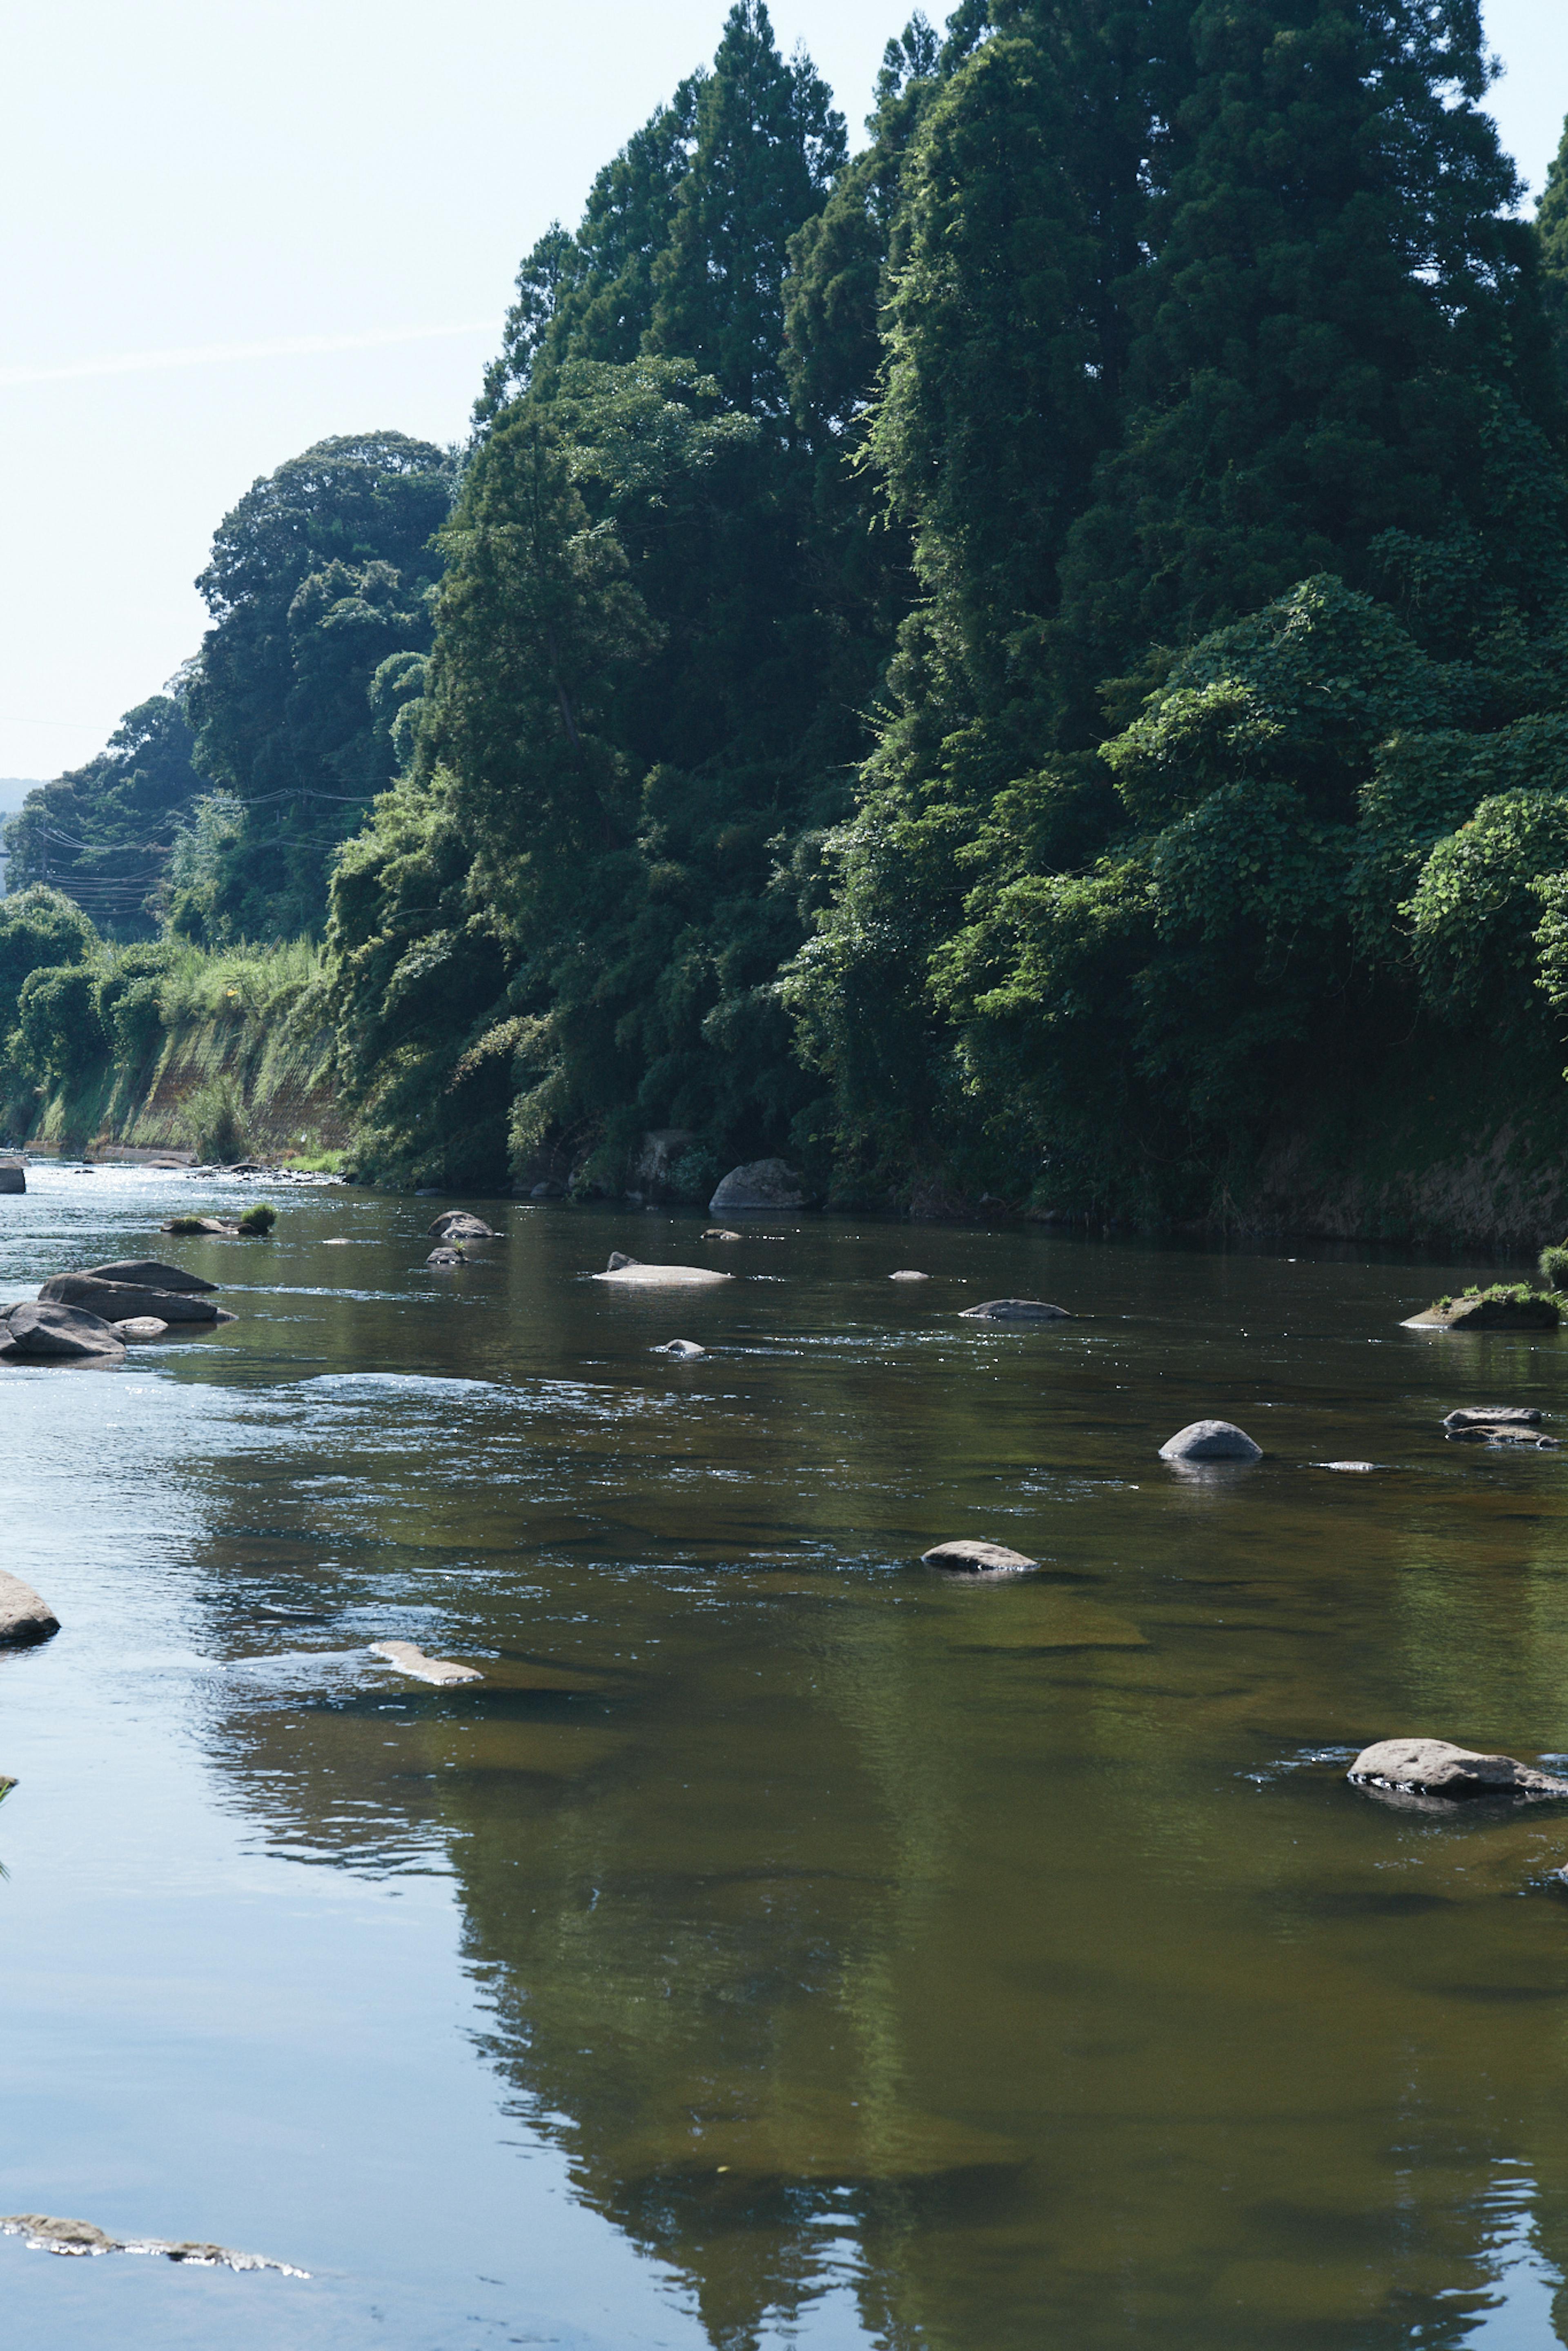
(907, 1276)
(760, 1184)
(446, 1257)
(117, 1301)
(717, 1233)
(1361, 1467)
(629, 1274)
(25, 1619)
(410, 1659)
(149, 1273)
(225, 1228)
(141, 1329)
(1434, 1767)
(61, 1335)
(686, 1349)
(1210, 1440)
(457, 1224)
(971, 1558)
(45, 2234)
(1016, 1310)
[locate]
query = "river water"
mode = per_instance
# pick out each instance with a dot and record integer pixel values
(780, 1945)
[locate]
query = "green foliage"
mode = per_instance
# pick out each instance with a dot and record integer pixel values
(1552, 230)
(102, 833)
(319, 577)
(214, 1117)
(39, 929)
(256, 1222)
(61, 1035)
(1552, 1265)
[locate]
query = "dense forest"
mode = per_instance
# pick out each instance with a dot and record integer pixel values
(1028, 660)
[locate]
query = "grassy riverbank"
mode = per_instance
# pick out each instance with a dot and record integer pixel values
(239, 1060)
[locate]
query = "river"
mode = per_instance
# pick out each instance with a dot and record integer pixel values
(780, 1945)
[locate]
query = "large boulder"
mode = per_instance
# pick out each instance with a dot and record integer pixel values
(1017, 1310)
(61, 1334)
(13, 1175)
(969, 1558)
(24, 1617)
(630, 1275)
(1432, 1767)
(151, 1273)
(760, 1184)
(117, 1301)
(457, 1224)
(1210, 1440)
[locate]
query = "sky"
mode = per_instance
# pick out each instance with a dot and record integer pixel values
(231, 227)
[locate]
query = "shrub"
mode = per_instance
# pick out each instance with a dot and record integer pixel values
(213, 1118)
(57, 1011)
(1553, 1265)
(258, 1220)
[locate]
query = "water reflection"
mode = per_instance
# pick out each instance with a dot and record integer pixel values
(920, 1966)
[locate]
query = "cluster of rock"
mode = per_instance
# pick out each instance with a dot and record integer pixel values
(451, 1230)
(92, 1317)
(45, 2234)
(1500, 1424)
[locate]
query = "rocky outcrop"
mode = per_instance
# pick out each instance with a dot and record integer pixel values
(760, 1184)
(13, 1175)
(61, 1335)
(970, 1558)
(149, 1273)
(630, 1275)
(1432, 1767)
(409, 1659)
(119, 1301)
(1481, 1312)
(1210, 1440)
(1017, 1310)
(457, 1224)
(25, 1619)
(45, 2234)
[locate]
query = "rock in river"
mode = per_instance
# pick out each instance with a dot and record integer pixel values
(446, 1257)
(1210, 1440)
(1432, 1767)
(1493, 1415)
(61, 1335)
(456, 1225)
(760, 1184)
(46, 2234)
(905, 1275)
(1017, 1310)
(686, 1350)
(409, 1659)
(630, 1275)
(117, 1301)
(966, 1558)
(13, 1175)
(24, 1617)
(149, 1273)
(139, 1328)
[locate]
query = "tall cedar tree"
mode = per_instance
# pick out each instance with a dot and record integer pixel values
(1338, 337)
(769, 142)
(1551, 227)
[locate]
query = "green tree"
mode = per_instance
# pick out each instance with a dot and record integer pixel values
(1551, 228)
(320, 573)
(1337, 348)
(768, 144)
(104, 833)
(39, 928)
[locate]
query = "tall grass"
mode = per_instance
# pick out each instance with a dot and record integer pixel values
(240, 983)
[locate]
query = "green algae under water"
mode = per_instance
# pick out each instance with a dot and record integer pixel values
(782, 1944)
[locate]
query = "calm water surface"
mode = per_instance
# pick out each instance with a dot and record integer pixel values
(779, 1947)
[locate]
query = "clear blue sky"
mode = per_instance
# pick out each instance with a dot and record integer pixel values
(333, 194)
